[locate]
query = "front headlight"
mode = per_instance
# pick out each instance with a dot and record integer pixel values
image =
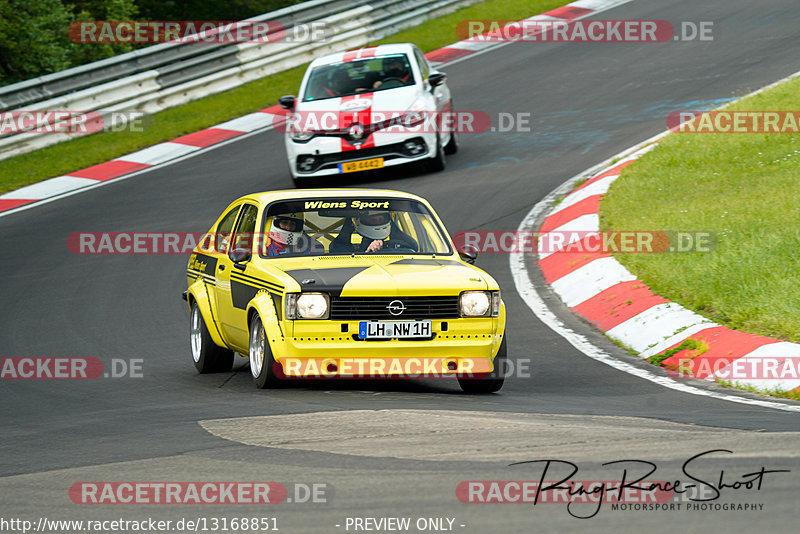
(307, 306)
(301, 137)
(474, 303)
(479, 303)
(415, 115)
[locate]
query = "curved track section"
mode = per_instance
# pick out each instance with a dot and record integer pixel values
(586, 102)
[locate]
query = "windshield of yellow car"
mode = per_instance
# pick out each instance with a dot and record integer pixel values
(347, 226)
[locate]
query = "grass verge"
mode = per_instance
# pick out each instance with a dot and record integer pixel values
(745, 188)
(773, 392)
(90, 150)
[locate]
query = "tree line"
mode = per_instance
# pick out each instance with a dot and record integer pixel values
(34, 38)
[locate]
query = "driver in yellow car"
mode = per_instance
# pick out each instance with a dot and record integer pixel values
(286, 236)
(376, 230)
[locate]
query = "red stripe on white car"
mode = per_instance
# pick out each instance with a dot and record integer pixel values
(361, 53)
(363, 117)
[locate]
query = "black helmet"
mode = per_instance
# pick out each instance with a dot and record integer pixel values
(395, 66)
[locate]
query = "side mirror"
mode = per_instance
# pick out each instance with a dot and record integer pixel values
(437, 78)
(469, 254)
(287, 102)
(240, 255)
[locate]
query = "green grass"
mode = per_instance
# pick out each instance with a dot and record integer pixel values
(86, 151)
(743, 187)
(774, 392)
(688, 344)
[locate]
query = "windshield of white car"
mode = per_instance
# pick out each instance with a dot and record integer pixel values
(359, 76)
(357, 225)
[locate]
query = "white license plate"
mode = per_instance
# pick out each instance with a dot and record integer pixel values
(393, 329)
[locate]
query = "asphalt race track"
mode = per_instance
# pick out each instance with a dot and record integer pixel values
(386, 448)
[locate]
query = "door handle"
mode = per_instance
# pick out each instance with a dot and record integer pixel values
(221, 267)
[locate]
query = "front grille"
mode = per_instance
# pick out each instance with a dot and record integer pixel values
(376, 308)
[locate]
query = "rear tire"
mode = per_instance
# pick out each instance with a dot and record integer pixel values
(261, 361)
(488, 382)
(208, 356)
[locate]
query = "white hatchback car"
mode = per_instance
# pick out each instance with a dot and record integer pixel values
(367, 109)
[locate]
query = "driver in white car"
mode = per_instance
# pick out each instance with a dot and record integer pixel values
(394, 68)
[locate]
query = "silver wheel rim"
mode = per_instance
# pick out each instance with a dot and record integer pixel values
(195, 335)
(256, 348)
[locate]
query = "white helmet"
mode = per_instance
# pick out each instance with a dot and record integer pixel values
(374, 224)
(286, 229)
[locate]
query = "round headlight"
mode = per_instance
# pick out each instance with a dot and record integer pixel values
(474, 303)
(312, 306)
(301, 136)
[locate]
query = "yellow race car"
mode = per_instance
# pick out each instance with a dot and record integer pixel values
(342, 283)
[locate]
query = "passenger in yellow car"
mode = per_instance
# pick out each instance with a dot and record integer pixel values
(286, 236)
(378, 233)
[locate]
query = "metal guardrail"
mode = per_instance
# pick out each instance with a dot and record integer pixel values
(169, 74)
(157, 56)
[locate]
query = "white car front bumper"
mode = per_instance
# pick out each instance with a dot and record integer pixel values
(322, 155)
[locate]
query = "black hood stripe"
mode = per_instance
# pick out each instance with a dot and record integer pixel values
(331, 280)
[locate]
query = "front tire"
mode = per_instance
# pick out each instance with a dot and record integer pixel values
(452, 145)
(207, 356)
(436, 163)
(261, 361)
(488, 382)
